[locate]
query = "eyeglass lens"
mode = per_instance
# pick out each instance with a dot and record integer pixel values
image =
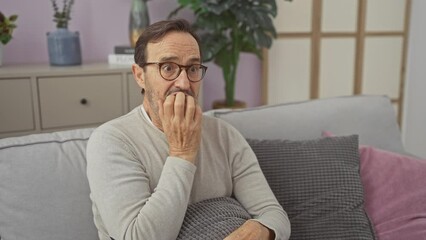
(171, 71)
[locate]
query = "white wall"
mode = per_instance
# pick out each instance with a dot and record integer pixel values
(414, 121)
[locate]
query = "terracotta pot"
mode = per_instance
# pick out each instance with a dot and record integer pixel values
(218, 104)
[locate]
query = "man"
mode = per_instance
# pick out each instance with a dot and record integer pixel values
(147, 166)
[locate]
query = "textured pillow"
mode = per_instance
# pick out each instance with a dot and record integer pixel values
(212, 219)
(395, 193)
(318, 184)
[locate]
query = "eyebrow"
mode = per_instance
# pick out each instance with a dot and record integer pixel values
(174, 58)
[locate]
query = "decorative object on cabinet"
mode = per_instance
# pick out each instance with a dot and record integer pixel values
(7, 24)
(219, 104)
(121, 59)
(63, 45)
(138, 20)
(228, 28)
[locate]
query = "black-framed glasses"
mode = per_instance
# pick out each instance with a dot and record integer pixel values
(170, 70)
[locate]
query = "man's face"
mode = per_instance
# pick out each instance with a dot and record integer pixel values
(177, 47)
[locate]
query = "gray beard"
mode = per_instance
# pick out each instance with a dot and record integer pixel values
(153, 112)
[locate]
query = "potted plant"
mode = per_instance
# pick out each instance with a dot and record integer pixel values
(7, 24)
(63, 45)
(229, 27)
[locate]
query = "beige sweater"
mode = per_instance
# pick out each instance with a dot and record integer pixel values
(139, 192)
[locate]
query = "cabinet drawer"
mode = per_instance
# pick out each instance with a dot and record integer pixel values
(16, 108)
(80, 100)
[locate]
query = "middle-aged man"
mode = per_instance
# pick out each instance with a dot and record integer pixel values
(146, 167)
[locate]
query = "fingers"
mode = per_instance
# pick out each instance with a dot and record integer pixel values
(190, 109)
(198, 114)
(179, 106)
(250, 230)
(168, 107)
(180, 118)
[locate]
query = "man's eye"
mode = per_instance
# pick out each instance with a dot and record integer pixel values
(168, 67)
(193, 69)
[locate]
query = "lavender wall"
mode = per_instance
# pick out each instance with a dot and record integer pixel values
(102, 24)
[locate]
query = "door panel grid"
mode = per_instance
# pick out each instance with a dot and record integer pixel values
(356, 47)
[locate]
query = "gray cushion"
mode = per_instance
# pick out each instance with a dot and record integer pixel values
(371, 117)
(44, 188)
(318, 184)
(212, 219)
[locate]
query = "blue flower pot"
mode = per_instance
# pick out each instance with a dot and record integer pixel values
(64, 47)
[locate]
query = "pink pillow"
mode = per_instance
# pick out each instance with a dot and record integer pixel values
(394, 193)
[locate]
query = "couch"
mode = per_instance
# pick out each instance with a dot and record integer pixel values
(337, 165)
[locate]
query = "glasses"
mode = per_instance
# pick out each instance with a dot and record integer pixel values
(170, 70)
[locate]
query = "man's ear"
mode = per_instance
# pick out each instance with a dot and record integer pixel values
(138, 74)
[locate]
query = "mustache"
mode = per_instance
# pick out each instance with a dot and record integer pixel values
(186, 92)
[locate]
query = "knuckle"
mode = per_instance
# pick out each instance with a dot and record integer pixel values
(179, 104)
(168, 104)
(191, 107)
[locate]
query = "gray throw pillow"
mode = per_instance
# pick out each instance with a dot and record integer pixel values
(44, 192)
(318, 184)
(212, 219)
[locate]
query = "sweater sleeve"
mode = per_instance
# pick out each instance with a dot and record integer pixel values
(122, 196)
(252, 190)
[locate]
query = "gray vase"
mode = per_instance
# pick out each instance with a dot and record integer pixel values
(64, 47)
(138, 21)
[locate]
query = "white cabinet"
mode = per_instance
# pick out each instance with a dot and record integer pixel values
(16, 108)
(42, 98)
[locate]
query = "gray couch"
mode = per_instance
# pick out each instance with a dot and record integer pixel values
(45, 193)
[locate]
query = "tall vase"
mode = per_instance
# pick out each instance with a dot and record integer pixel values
(138, 21)
(64, 47)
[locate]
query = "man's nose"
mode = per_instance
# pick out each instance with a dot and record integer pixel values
(182, 80)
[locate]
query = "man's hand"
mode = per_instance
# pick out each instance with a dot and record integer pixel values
(251, 230)
(181, 122)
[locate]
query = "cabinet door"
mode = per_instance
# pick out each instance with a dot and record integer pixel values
(16, 108)
(80, 100)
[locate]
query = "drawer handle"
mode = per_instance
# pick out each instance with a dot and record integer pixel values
(83, 101)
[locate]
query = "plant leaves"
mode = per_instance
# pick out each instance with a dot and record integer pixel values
(13, 18)
(211, 44)
(228, 24)
(175, 12)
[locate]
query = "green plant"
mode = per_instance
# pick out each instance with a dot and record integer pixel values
(229, 27)
(7, 24)
(61, 17)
